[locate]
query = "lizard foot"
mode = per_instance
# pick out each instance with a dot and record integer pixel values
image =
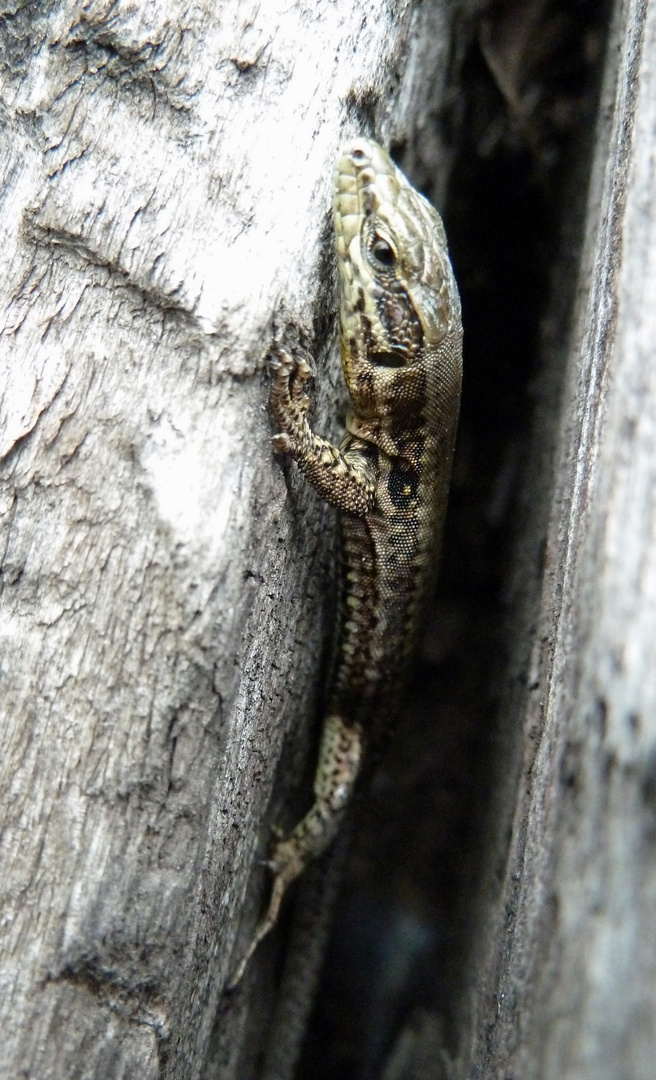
(339, 764)
(288, 401)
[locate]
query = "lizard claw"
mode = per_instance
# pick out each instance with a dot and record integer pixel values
(288, 401)
(280, 360)
(300, 375)
(282, 442)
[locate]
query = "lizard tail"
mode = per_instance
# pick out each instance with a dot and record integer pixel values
(337, 771)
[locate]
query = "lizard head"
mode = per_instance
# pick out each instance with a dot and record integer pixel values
(399, 305)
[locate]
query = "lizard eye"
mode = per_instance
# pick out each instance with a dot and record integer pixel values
(383, 252)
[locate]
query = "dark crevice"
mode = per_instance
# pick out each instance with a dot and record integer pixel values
(434, 829)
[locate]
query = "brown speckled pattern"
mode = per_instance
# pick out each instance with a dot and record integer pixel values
(402, 362)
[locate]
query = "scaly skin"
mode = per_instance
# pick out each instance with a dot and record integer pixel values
(389, 477)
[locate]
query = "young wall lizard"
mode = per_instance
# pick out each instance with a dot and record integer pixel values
(402, 361)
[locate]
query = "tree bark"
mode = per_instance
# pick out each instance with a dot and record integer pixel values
(165, 215)
(566, 962)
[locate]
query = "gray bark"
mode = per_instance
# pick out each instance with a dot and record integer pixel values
(165, 199)
(565, 970)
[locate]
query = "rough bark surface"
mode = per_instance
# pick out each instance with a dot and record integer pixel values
(566, 967)
(164, 211)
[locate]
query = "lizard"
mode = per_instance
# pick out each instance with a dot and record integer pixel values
(401, 345)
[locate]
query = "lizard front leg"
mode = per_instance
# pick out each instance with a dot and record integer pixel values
(344, 480)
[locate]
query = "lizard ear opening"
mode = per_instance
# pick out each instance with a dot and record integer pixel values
(388, 359)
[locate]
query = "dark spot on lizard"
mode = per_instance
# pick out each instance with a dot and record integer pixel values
(402, 486)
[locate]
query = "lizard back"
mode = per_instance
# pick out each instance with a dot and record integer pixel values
(402, 362)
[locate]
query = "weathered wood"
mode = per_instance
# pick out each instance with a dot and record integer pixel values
(165, 211)
(567, 953)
